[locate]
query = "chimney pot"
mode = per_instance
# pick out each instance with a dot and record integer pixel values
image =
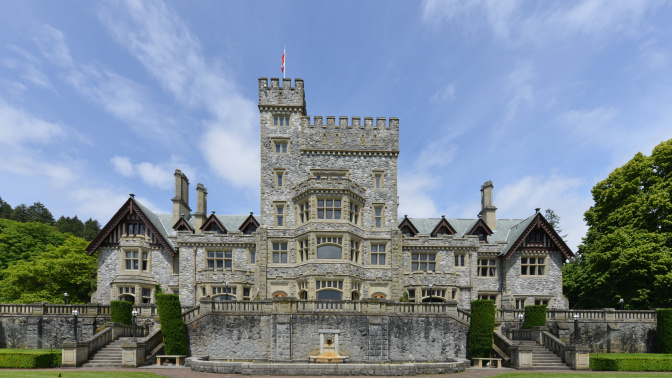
(537, 210)
(132, 195)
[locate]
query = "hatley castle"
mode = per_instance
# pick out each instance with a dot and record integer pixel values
(328, 229)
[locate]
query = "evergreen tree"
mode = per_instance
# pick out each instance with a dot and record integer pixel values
(20, 213)
(554, 220)
(627, 252)
(70, 225)
(91, 229)
(5, 210)
(39, 213)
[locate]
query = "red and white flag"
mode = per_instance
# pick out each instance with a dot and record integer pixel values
(282, 66)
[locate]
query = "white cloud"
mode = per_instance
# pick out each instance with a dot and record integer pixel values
(414, 199)
(567, 196)
(591, 125)
(519, 88)
(517, 23)
(87, 203)
(163, 43)
(155, 175)
(17, 127)
(446, 95)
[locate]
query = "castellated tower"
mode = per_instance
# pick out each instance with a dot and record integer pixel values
(329, 190)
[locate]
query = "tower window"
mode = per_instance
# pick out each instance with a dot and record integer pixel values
(280, 253)
(328, 209)
(280, 120)
(378, 254)
(280, 147)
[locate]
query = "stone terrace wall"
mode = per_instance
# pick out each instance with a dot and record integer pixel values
(362, 337)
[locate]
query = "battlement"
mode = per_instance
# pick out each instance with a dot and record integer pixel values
(380, 123)
(288, 96)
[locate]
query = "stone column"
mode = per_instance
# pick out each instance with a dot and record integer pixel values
(133, 354)
(577, 357)
(74, 354)
(521, 356)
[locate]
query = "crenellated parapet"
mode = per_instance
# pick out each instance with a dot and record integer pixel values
(285, 98)
(350, 134)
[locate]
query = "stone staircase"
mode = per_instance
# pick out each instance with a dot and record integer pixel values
(544, 359)
(109, 355)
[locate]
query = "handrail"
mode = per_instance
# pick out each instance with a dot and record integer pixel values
(190, 314)
(503, 343)
(153, 340)
(100, 339)
(606, 314)
(553, 343)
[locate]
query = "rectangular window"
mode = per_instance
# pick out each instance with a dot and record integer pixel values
(304, 212)
(279, 175)
(253, 257)
(378, 179)
(491, 297)
(520, 304)
(280, 121)
(378, 254)
(176, 264)
(146, 295)
(303, 250)
(280, 147)
(378, 216)
(354, 251)
(135, 260)
(424, 262)
(532, 266)
(328, 209)
(280, 253)
(219, 260)
(354, 213)
(280, 215)
(540, 302)
(487, 268)
(459, 259)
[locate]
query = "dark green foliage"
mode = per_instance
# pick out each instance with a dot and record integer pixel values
(5, 210)
(554, 220)
(47, 275)
(631, 362)
(120, 312)
(664, 330)
(481, 328)
(535, 316)
(627, 251)
(87, 230)
(23, 241)
(172, 325)
(29, 358)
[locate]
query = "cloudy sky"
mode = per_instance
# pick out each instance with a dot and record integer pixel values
(102, 99)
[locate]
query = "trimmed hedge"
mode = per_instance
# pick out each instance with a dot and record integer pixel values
(631, 362)
(535, 316)
(664, 330)
(120, 312)
(172, 325)
(481, 329)
(29, 358)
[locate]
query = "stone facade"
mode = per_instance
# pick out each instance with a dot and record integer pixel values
(328, 229)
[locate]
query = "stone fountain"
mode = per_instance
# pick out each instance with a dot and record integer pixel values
(328, 348)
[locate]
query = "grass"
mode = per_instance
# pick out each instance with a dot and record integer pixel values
(76, 374)
(575, 374)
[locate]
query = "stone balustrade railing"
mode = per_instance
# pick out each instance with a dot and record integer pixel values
(553, 343)
(91, 309)
(75, 353)
(605, 314)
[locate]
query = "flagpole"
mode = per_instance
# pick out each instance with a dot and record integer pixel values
(284, 55)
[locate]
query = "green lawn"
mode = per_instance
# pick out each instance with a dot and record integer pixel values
(76, 374)
(587, 374)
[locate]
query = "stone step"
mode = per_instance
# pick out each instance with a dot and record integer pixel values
(97, 364)
(105, 358)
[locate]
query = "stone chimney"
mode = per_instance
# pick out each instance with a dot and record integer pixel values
(181, 199)
(201, 207)
(487, 208)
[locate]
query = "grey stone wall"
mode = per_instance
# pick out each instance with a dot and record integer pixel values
(297, 337)
(43, 332)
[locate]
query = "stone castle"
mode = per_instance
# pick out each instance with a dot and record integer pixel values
(328, 229)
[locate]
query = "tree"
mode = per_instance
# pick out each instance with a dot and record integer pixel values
(24, 241)
(5, 210)
(554, 220)
(627, 251)
(66, 268)
(91, 229)
(37, 212)
(70, 225)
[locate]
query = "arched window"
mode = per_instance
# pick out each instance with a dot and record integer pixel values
(279, 294)
(303, 295)
(379, 295)
(127, 298)
(330, 294)
(329, 248)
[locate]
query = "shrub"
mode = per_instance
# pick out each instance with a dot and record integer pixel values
(482, 328)
(29, 358)
(664, 330)
(631, 362)
(535, 316)
(172, 325)
(120, 312)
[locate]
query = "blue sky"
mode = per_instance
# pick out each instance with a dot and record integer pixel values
(102, 99)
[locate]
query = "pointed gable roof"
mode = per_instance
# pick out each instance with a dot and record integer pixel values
(443, 225)
(250, 221)
(213, 221)
(408, 224)
(150, 219)
(518, 234)
(182, 225)
(480, 223)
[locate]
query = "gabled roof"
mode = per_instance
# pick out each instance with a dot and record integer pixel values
(150, 219)
(251, 220)
(182, 224)
(213, 220)
(480, 223)
(518, 234)
(407, 223)
(443, 223)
